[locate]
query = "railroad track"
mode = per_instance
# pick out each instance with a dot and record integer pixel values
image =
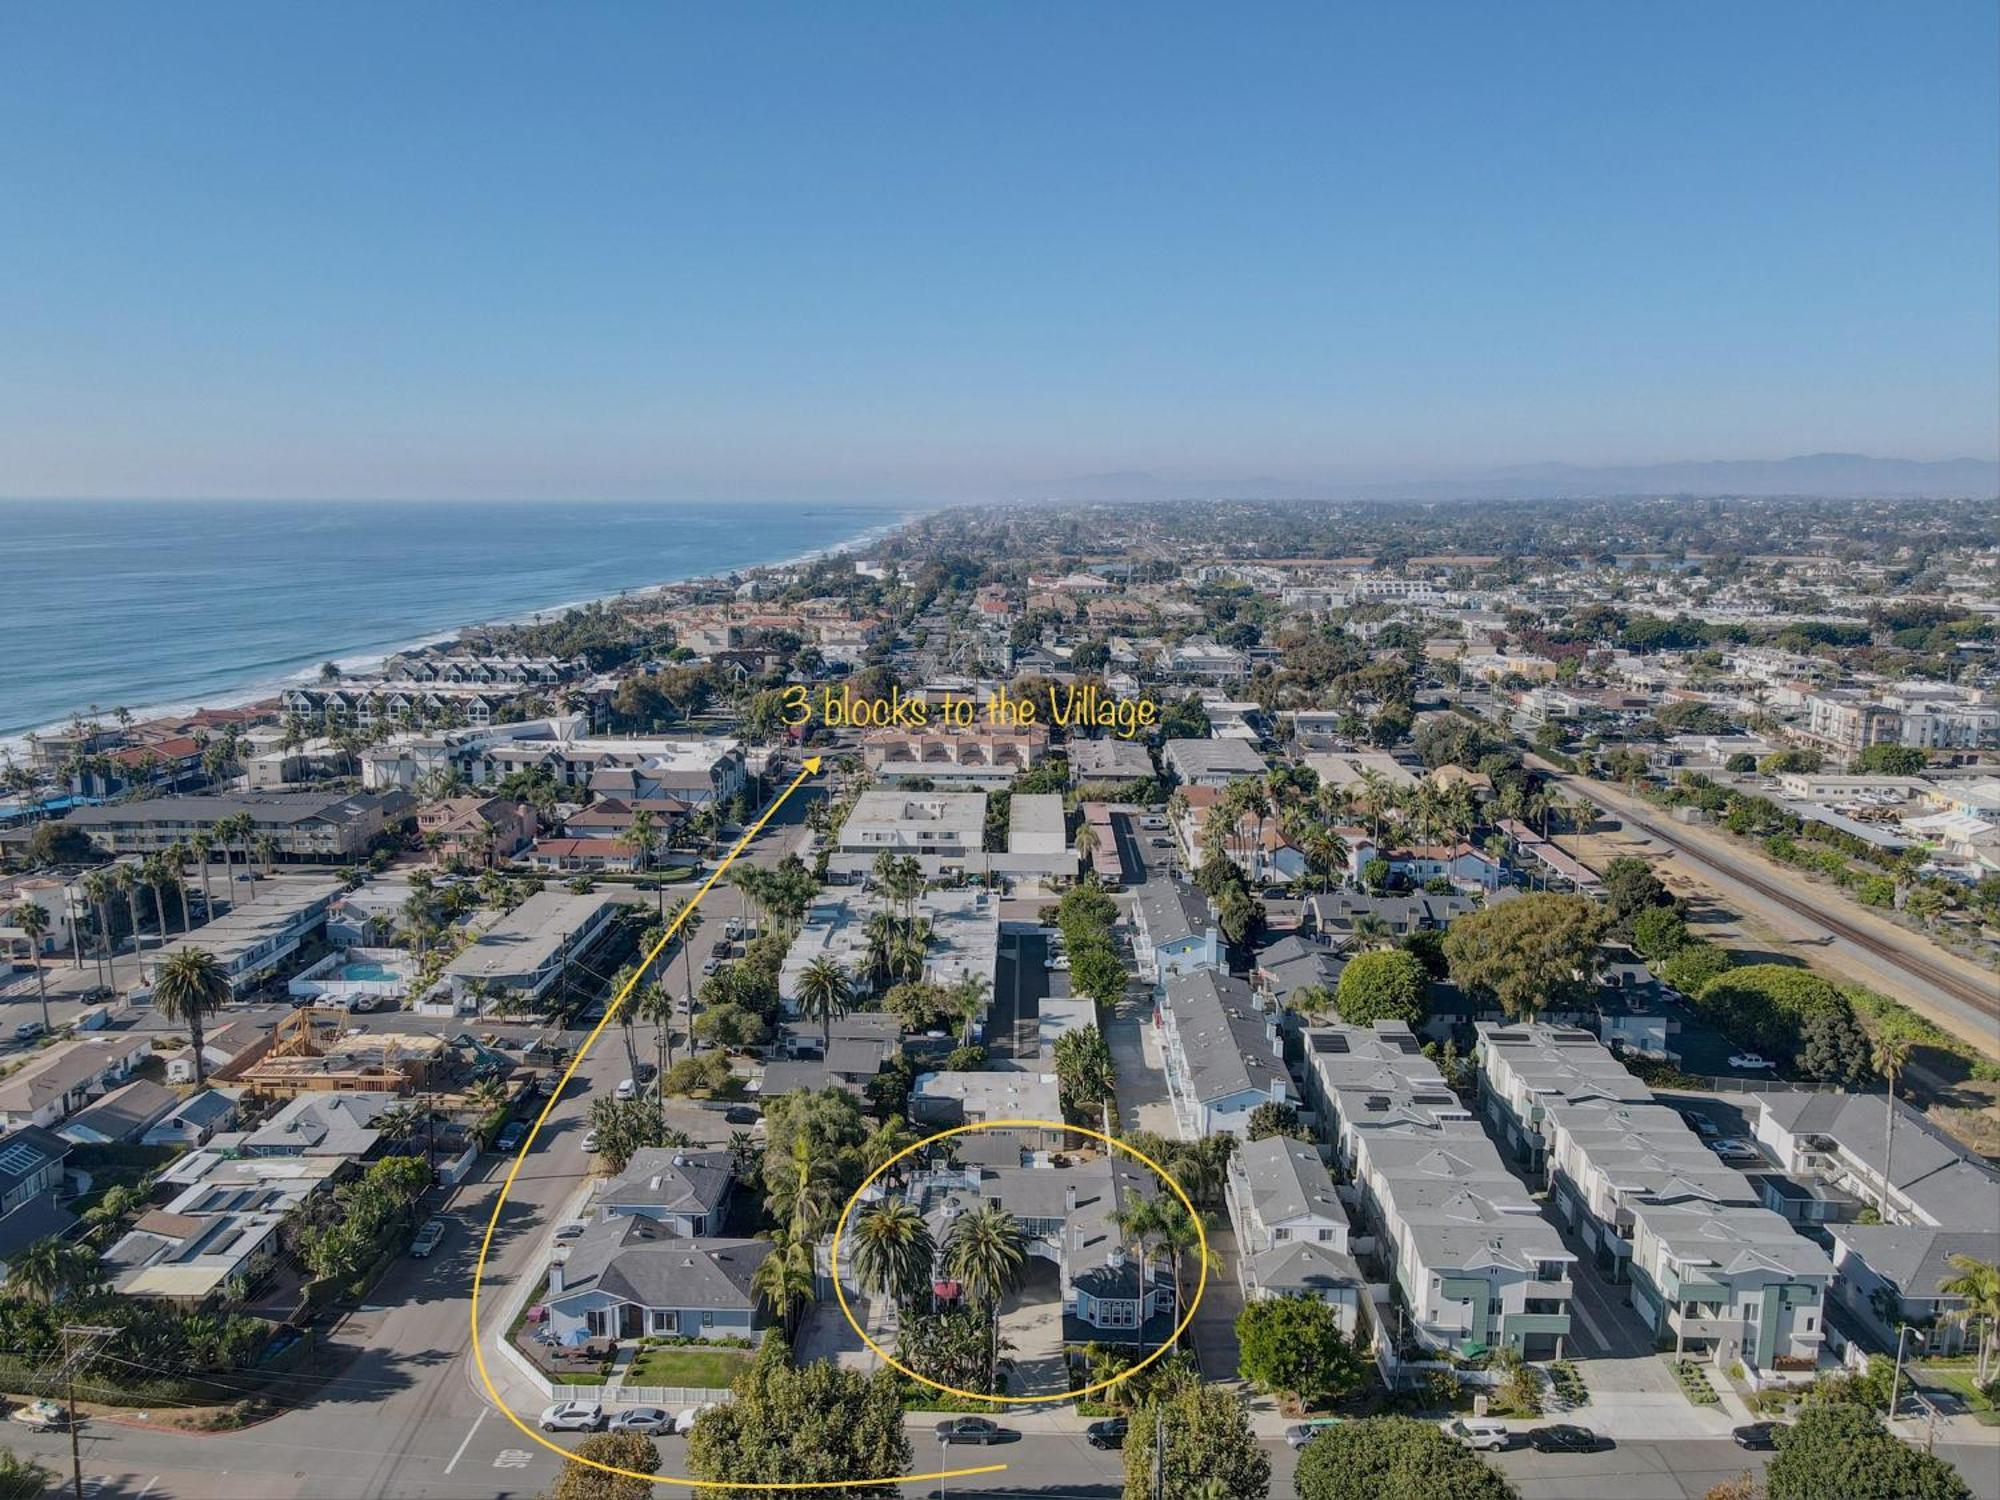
(1985, 1000)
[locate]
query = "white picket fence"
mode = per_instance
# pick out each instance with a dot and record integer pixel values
(673, 1397)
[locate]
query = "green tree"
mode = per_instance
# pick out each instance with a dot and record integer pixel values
(1096, 970)
(1394, 1458)
(984, 1251)
(815, 1423)
(1207, 1437)
(1659, 932)
(1833, 1048)
(1890, 760)
(1292, 1347)
(1976, 1285)
(1274, 1117)
(621, 1450)
(33, 923)
(1693, 964)
(190, 987)
(892, 1252)
(1532, 953)
(1084, 1073)
(21, 1479)
(1388, 985)
(824, 993)
(1838, 1451)
(1768, 1005)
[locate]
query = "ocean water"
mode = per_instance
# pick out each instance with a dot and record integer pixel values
(167, 604)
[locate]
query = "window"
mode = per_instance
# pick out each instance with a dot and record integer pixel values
(708, 1320)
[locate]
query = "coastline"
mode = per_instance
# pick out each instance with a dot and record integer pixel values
(16, 744)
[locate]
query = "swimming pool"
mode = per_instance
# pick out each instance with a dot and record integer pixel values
(362, 971)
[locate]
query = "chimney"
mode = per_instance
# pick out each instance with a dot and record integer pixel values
(1069, 1199)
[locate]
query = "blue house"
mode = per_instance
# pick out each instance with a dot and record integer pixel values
(1173, 931)
(629, 1275)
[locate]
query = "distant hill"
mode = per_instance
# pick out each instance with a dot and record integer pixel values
(1835, 475)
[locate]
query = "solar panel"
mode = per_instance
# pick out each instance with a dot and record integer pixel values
(19, 1159)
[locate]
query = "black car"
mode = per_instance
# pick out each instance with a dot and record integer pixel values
(1758, 1437)
(1565, 1437)
(968, 1430)
(1110, 1433)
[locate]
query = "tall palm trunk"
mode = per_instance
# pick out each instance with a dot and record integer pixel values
(75, 926)
(110, 945)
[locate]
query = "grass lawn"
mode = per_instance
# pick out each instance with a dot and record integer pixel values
(685, 1364)
(575, 1378)
(1956, 1377)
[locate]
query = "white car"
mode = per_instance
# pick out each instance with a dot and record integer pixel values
(684, 1423)
(589, 1142)
(1060, 962)
(627, 1089)
(1751, 1061)
(1730, 1148)
(573, 1416)
(1478, 1432)
(427, 1239)
(647, 1419)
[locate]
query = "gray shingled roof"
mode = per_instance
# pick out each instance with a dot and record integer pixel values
(641, 1261)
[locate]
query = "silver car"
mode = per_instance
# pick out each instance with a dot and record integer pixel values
(647, 1419)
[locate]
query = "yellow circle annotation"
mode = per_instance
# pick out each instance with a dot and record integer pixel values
(520, 1157)
(1166, 1345)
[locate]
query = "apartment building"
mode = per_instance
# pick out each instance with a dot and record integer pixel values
(1212, 763)
(1291, 1228)
(1471, 1262)
(985, 759)
(1222, 1052)
(526, 951)
(253, 938)
(964, 938)
(1706, 1265)
(932, 825)
(321, 827)
(1935, 1199)
(1173, 931)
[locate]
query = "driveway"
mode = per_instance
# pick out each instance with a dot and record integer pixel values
(1214, 1326)
(1031, 1321)
(1141, 1085)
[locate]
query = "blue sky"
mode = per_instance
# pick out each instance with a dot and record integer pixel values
(917, 250)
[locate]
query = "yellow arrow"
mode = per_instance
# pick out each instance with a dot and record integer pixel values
(486, 1240)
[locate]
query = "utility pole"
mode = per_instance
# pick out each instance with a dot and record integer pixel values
(80, 1342)
(1159, 1455)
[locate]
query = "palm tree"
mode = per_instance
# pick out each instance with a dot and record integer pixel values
(127, 880)
(893, 1251)
(655, 1003)
(642, 837)
(1977, 1285)
(688, 915)
(824, 991)
(49, 1269)
(189, 988)
(878, 957)
(177, 857)
(1892, 1055)
(984, 1251)
(1085, 844)
(98, 890)
(34, 922)
(803, 1189)
(1140, 1222)
(400, 1123)
(784, 1281)
(1369, 930)
(487, 1095)
(885, 1142)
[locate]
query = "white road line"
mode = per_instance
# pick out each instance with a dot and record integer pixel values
(149, 1487)
(471, 1433)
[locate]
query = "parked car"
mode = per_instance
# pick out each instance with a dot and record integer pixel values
(1109, 1433)
(428, 1238)
(1161, 843)
(968, 1430)
(1567, 1437)
(628, 1088)
(1060, 962)
(684, 1423)
(1732, 1148)
(1301, 1433)
(589, 1142)
(1701, 1124)
(1758, 1437)
(510, 1139)
(27, 1031)
(1478, 1432)
(1750, 1061)
(648, 1419)
(709, 966)
(573, 1416)
(571, 1229)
